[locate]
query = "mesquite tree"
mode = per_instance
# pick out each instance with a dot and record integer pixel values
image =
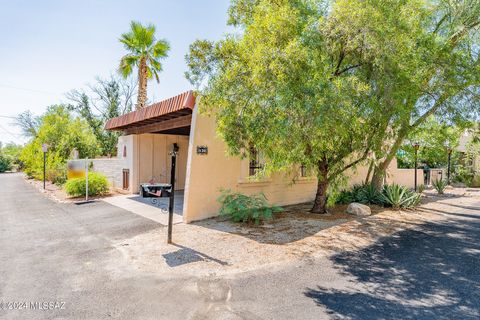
(286, 87)
(421, 58)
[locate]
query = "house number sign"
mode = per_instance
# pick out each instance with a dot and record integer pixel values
(202, 150)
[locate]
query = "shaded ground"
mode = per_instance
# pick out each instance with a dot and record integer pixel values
(107, 263)
(428, 273)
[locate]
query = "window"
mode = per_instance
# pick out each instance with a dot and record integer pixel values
(255, 162)
(124, 151)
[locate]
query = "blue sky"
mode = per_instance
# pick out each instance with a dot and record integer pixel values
(51, 47)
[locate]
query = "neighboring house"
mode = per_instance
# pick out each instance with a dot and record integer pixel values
(203, 166)
(470, 159)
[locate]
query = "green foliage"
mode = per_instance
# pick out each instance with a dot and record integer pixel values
(365, 193)
(432, 137)
(421, 58)
(397, 196)
(242, 208)
(63, 133)
(5, 163)
(141, 43)
(285, 72)
(440, 185)
(392, 196)
(12, 151)
(464, 175)
(145, 53)
(97, 185)
(107, 98)
(421, 188)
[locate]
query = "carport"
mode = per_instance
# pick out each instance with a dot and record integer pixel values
(148, 137)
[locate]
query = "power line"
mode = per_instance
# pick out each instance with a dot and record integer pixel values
(8, 117)
(26, 89)
(16, 136)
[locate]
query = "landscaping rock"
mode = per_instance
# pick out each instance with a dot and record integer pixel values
(359, 209)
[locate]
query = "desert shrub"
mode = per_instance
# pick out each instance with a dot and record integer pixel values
(421, 188)
(5, 163)
(463, 175)
(440, 185)
(243, 208)
(97, 185)
(63, 132)
(397, 196)
(364, 193)
(345, 197)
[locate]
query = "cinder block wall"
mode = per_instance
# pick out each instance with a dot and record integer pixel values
(112, 168)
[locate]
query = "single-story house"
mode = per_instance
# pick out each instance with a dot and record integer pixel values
(203, 166)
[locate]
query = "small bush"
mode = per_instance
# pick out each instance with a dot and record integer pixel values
(5, 163)
(421, 188)
(242, 208)
(463, 175)
(97, 185)
(440, 185)
(397, 196)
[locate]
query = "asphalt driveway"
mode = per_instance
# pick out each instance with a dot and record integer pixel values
(63, 254)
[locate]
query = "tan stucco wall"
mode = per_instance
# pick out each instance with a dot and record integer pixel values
(207, 174)
(152, 159)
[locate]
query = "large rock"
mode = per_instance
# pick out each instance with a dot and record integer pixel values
(359, 209)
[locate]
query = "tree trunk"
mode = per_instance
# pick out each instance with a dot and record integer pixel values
(381, 170)
(142, 84)
(320, 203)
(369, 172)
(378, 177)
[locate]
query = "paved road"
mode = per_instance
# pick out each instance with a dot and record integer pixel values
(54, 252)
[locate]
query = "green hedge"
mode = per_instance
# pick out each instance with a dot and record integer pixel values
(97, 185)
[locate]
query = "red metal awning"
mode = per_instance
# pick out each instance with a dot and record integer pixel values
(175, 107)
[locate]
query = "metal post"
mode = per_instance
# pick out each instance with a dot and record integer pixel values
(416, 146)
(172, 196)
(416, 164)
(44, 167)
(448, 169)
(86, 180)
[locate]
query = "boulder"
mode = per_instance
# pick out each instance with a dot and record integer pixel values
(359, 209)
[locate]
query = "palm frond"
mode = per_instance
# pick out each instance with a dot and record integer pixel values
(127, 63)
(160, 49)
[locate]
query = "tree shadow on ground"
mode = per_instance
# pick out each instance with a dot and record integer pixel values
(431, 272)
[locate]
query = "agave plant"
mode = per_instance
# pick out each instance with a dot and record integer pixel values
(398, 196)
(440, 185)
(368, 194)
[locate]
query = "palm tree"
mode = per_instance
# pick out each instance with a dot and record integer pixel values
(145, 53)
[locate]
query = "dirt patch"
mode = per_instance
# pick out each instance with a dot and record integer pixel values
(57, 194)
(217, 246)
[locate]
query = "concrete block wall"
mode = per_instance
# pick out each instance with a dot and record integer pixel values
(112, 168)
